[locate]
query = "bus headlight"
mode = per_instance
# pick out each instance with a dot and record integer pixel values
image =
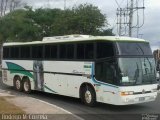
(124, 93)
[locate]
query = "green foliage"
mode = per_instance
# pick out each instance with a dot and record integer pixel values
(89, 19)
(17, 26)
(30, 25)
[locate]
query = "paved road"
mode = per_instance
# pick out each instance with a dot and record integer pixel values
(100, 112)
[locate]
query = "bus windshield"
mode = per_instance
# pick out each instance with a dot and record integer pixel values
(133, 48)
(137, 71)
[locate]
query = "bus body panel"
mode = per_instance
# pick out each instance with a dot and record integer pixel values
(56, 79)
(63, 75)
(142, 93)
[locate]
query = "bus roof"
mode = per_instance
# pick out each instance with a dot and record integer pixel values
(76, 38)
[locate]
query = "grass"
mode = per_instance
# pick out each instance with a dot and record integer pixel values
(9, 108)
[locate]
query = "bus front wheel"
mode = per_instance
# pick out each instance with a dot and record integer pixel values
(18, 83)
(88, 96)
(26, 85)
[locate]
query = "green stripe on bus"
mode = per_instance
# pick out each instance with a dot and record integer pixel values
(87, 66)
(49, 89)
(14, 68)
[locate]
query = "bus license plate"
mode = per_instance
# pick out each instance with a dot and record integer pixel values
(141, 98)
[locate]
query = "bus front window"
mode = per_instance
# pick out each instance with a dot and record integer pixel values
(137, 71)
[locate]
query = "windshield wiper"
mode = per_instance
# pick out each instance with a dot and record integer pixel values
(140, 48)
(145, 62)
(136, 73)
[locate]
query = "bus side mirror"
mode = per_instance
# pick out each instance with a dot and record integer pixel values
(157, 75)
(158, 87)
(158, 66)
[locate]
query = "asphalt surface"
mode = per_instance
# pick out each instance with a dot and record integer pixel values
(101, 111)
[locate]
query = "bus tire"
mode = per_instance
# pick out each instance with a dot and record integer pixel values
(88, 96)
(18, 83)
(26, 85)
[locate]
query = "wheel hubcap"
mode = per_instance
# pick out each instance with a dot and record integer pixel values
(26, 86)
(88, 96)
(18, 84)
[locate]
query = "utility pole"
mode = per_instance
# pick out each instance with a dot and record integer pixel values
(126, 18)
(119, 21)
(64, 4)
(131, 18)
(48, 4)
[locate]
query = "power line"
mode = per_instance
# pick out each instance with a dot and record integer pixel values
(117, 4)
(121, 2)
(64, 4)
(125, 18)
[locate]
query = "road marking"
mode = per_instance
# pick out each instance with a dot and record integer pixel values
(5, 93)
(79, 118)
(2, 90)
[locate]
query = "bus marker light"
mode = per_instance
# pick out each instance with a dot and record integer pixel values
(126, 93)
(154, 90)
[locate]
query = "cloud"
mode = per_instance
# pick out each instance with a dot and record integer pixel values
(150, 29)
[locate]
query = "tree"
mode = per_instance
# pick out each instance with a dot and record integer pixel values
(9, 6)
(84, 19)
(89, 19)
(45, 18)
(16, 26)
(106, 32)
(30, 25)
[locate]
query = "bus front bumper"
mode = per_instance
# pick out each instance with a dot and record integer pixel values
(135, 99)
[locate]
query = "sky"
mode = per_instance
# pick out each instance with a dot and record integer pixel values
(149, 31)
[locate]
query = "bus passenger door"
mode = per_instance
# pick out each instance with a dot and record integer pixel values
(105, 74)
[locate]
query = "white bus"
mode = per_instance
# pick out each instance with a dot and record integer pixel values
(113, 70)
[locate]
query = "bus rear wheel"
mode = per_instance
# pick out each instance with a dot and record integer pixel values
(88, 96)
(18, 83)
(26, 85)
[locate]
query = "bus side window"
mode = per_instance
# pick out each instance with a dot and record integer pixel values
(62, 51)
(80, 51)
(37, 52)
(25, 52)
(14, 52)
(85, 51)
(104, 49)
(5, 52)
(70, 51)
(50, 52)
(66, 51)
(89, 51)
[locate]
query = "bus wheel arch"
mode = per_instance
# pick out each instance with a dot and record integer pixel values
(87, 94)
(26, 84)
(17, 83)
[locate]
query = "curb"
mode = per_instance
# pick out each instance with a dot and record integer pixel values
(4, 93)
(79, 118)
